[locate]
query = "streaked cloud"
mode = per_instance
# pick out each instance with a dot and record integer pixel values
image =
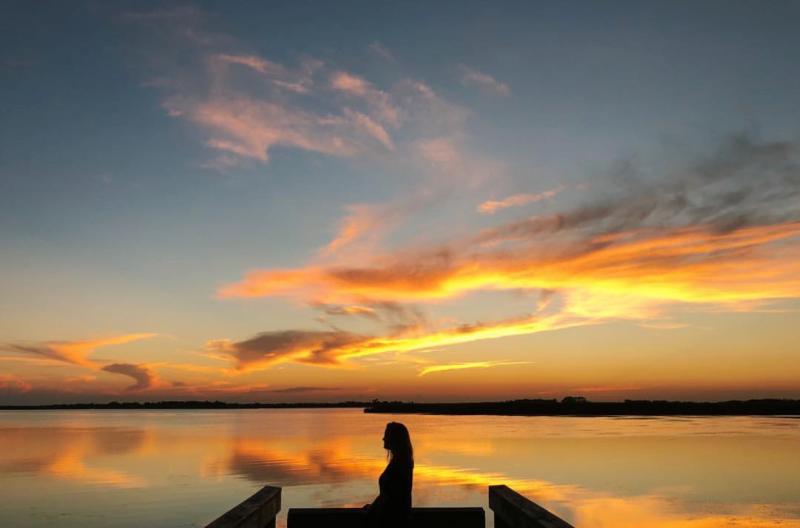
(707, 237)
(348, 310)
(301, 346)
(483, 81)
(517, 200)
(468, 365)
(252, 61)
(336, 347)
(692, 264)
(400, 316)
(303, 390)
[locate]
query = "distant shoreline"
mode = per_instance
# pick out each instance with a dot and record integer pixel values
(189, 405)
(570, 406)
(576, 406)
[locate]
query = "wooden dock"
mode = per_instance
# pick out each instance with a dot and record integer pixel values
(511, 510)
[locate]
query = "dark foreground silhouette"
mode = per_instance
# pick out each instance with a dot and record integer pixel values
(509, 507)
(392, 507)
(578, 406)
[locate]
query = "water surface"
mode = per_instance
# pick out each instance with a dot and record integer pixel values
(121, 468)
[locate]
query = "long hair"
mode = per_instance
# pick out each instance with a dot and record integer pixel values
(398, 442)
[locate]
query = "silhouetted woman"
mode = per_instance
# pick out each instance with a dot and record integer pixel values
(392, 508)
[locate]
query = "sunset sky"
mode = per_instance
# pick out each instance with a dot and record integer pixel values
(322, 201)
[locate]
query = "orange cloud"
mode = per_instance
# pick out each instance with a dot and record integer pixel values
(141, 374)
(333, 347)
(693, 264)
(268, 348)
(13, 385)
(76, 352)
(705, 238)
(617, 276)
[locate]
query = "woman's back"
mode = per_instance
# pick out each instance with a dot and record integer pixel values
(395, 484)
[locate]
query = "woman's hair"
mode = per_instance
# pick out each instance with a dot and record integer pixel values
(398, 441)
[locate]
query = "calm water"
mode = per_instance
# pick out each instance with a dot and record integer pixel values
(184, 468)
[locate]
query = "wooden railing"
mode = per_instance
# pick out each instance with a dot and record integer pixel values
(355, 518)
(259, 511)
(512, 510)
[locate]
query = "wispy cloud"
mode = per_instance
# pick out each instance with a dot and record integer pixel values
(380, 102)
(517, 200)
(483, 81)
(706, 238)
(469, 365)
(381, 51)
(252, 61)
(365, 224)
(249, 128)
(246, 105)
(13, 385)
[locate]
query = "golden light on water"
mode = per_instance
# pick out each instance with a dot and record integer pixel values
(596, 472)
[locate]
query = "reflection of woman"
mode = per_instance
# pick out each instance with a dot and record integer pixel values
(392, 508)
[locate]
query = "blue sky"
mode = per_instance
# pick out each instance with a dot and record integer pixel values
(152, 154)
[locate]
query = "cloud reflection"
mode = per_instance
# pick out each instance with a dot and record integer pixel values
(338, 461)
(664, 479)
(34, 451)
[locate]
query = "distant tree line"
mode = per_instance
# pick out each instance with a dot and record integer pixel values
(192, 404)
(568, 406)
(580, 406)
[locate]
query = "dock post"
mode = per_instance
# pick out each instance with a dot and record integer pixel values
(258, 511)
(512, 510)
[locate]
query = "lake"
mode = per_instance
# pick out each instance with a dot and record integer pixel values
(115, 468)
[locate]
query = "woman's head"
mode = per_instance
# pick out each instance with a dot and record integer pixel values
(397, 440)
